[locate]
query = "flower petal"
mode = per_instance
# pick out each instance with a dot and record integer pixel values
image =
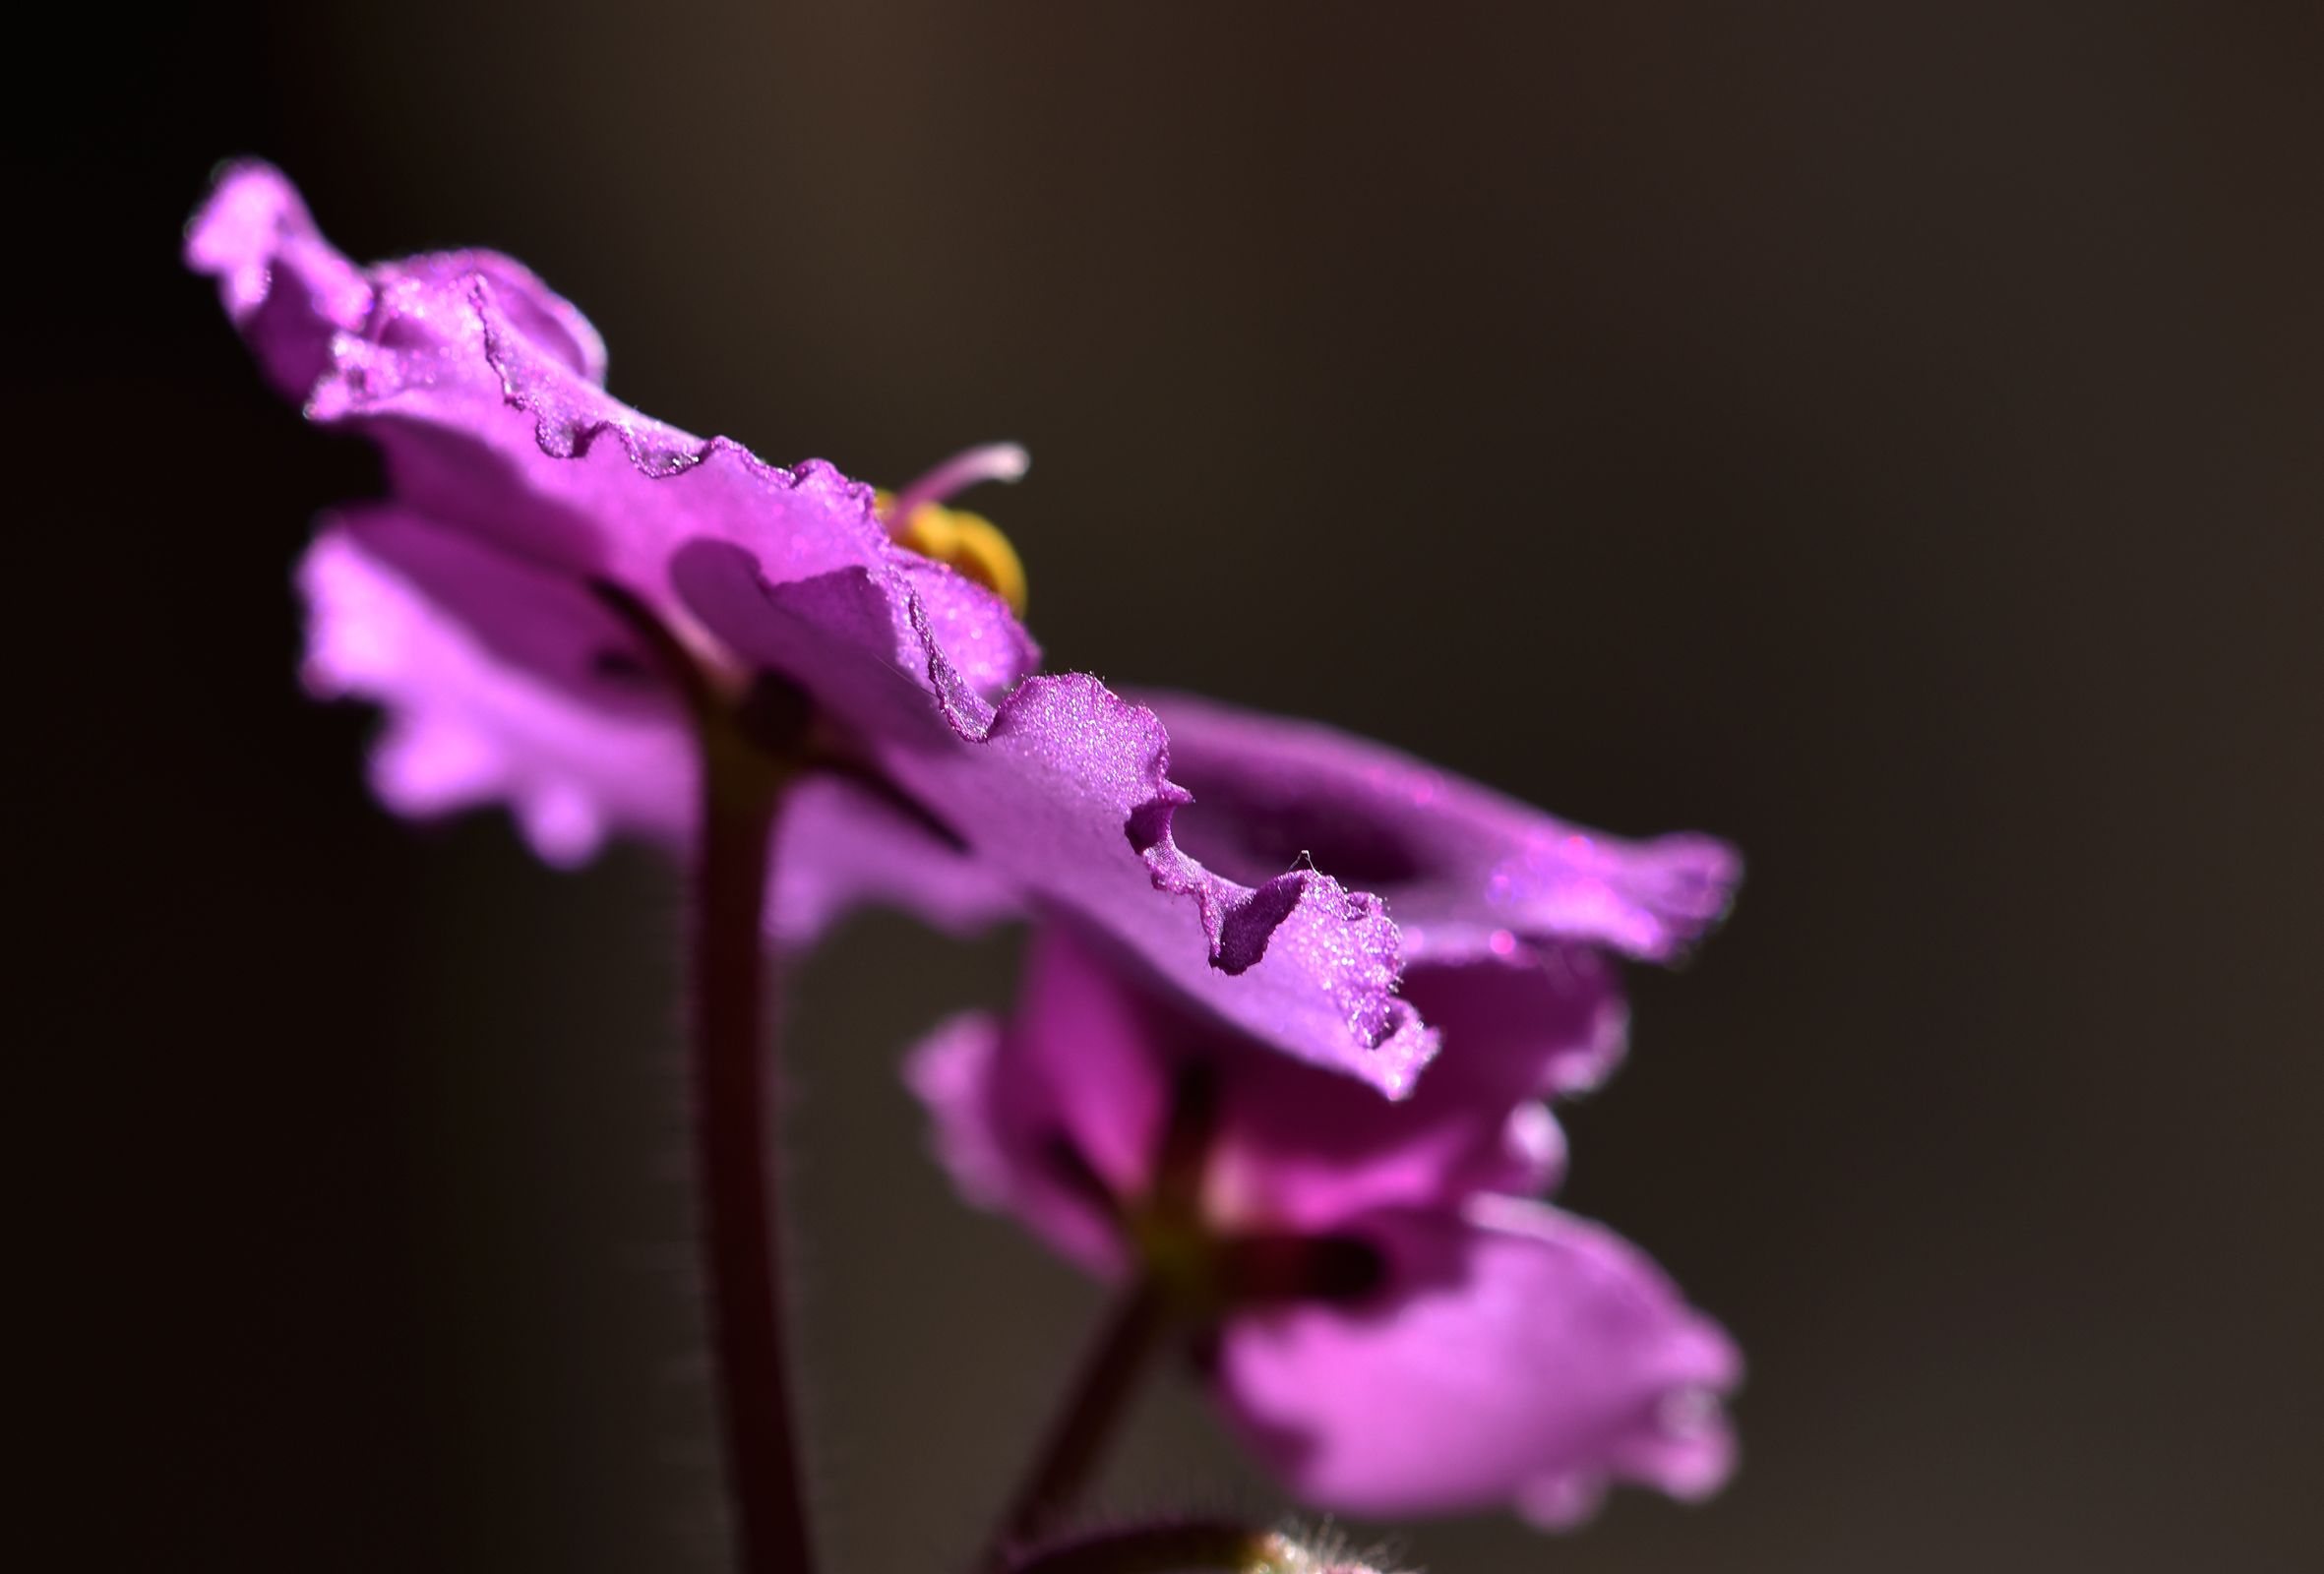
(286, 287)
(1466, 871)
(1301, 962)
(1296, 1150)
(488, 430)
(1520, 1356)
(1550, 1022)
(549, 718)
(839, 847)
(1064, 789)
(1009, 1136)
(484, 391)
(507, 685)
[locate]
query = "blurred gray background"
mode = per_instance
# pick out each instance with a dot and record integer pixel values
(1884, 434)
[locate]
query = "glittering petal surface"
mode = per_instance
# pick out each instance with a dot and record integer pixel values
(1465, 872)
(1064, 789)
(1516, 1353)
(1069, 792)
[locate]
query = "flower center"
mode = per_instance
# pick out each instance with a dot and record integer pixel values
(968, 543)
(1209, 1267)
(1208, 1271)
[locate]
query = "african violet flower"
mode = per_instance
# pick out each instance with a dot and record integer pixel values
(1389, 1319)
(556, 586)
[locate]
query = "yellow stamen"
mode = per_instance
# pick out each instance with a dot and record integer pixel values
(967, 542)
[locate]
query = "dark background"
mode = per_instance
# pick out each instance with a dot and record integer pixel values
(1887, 435)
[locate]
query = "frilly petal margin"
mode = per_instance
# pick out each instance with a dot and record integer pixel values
(1064, 789)
(484, 389)
(1524, 1355)
(1467, 872)
(285, 287)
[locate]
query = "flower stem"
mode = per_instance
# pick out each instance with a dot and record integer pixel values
(1126, 1345)
(733, 1117)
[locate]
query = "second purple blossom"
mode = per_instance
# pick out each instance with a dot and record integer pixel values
(1380, 1305)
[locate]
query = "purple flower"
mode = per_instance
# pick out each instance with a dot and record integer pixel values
(1391, 1321)
(515, 602)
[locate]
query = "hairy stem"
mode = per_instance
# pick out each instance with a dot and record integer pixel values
(733, 1081)
(1126, 1345)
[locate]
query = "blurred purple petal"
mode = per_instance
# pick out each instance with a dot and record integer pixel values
(1518, 1355)
(839, 847)
(286, 287)
(1009, 1139)
(553, 722)
(559, 718)
(1504, 1353)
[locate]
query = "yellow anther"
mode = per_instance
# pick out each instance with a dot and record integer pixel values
(967, 542)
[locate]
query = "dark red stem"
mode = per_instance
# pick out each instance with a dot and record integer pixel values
(733, 1078)
(1074, 1447)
